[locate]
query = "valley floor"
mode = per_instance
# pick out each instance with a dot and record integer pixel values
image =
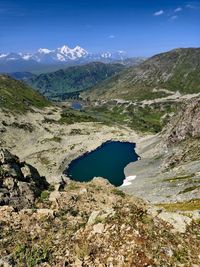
(42, 139)
(47, 142)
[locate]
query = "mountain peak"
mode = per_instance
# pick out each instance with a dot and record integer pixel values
(3, 55)
(60, 55)
(44, 51)
(78, 47)
(106, 55)
(64, 49)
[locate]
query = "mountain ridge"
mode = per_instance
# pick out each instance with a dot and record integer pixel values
(176, 70)
(72, 79)
(63, 53)
(44, 57)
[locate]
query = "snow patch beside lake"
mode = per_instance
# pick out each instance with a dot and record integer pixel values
(128, 180)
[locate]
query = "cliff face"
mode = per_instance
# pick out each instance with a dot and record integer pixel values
(186, 124)
(182, 135)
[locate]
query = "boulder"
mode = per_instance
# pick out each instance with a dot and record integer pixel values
(20, 183)
(100, 215)
(98, 228)
(26, 171)
(178, 221)
(45, 213)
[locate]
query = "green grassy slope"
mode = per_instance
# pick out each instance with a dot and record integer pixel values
(176, 70)
(18, 97)
(77, 78)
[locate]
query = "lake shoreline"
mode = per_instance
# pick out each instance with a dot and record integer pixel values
(116, 147)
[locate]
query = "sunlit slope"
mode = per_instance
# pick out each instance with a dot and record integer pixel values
(176, 70)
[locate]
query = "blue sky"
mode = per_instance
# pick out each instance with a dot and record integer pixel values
(142, 27)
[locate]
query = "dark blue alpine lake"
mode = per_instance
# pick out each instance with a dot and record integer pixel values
(107, 161)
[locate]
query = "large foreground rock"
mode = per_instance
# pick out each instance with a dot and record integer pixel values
(20, 183)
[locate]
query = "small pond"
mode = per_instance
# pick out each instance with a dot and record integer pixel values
(107, 161)
(76, 106)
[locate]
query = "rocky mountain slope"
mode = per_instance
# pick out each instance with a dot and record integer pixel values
(159, 76)
(171, 165)
(186, 124)
(56, 85)
(95, 224)
(183, 134)
(16, 96)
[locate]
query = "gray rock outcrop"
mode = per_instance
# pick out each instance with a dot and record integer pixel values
(186, 124)
(20, 183)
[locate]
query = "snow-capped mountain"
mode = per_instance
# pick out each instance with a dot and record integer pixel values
(62, 55)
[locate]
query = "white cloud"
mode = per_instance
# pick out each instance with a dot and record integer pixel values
(159, 13)
(193, 5)
(111, 36)
(174, 17)
(178, 9)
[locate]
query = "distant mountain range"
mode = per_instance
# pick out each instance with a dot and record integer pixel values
(48, 60)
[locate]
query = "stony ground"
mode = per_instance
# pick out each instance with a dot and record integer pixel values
(172, 173)
(87, 224)
(49, 144)
(95, 224)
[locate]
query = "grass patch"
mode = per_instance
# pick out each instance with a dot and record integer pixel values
(118, 192)
(73, 116)
(31, 257)
(108, 115)
(45, 195)
(56, 139)
(174, 179)
(189, 189)
(149, 118)
(2, 172)
(36, 256)
(193, 204)
(82, 250)
(72, 186)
